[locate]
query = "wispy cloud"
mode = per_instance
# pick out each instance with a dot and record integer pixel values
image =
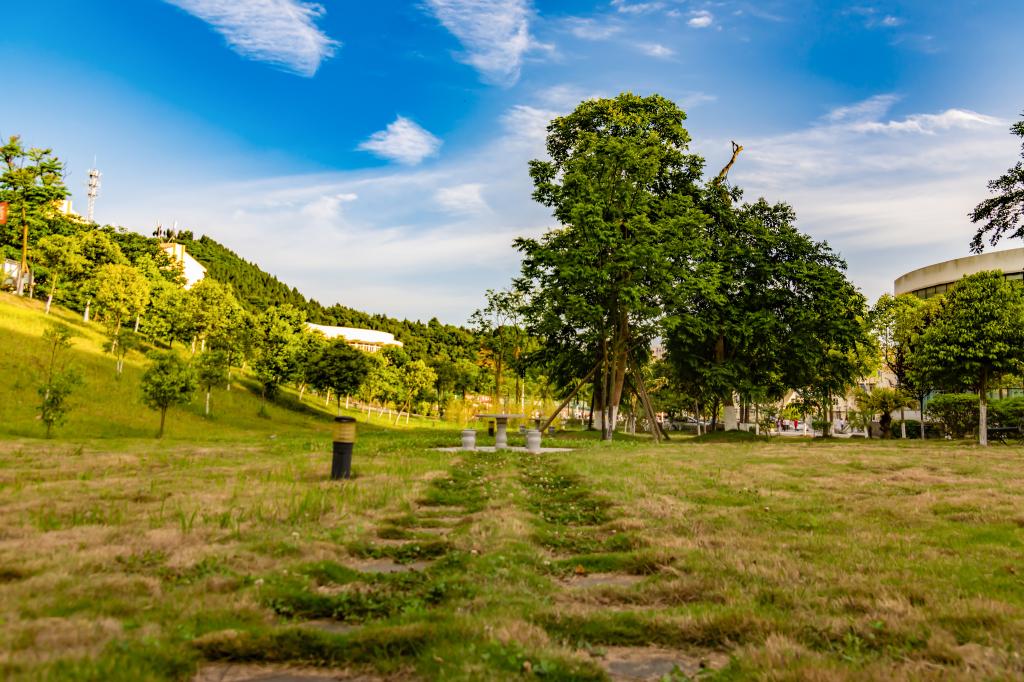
(403, 141)
(494, 33)
(630, 7)
(656, 50)
(279, 32)
(591, 29)
(890, 192)
(466, 198)
(701, 19)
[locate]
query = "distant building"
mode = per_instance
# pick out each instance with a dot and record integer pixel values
(9, 276)
(936, 279)
(193, 270)
(368, 340)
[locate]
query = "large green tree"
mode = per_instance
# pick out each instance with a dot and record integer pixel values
(894, 320)
(32, 182)
(620, 182)
(1003, 214)
(976, 337)
(122, 292)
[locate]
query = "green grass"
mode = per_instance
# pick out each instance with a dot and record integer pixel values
(127, 558)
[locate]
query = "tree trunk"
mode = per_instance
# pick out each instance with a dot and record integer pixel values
(903, 423)
(138, 318)
(339, 404)
(207, 402)
(85, 315)
(49, 299)
(983, 409)
(163, 417)
(24, 250)
(920, 407)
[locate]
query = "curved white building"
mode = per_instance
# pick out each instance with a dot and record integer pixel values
(368, 340)
(932, 280)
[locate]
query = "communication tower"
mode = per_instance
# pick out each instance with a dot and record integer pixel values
(94, 189)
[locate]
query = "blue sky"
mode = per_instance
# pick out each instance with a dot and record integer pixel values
(374, 154)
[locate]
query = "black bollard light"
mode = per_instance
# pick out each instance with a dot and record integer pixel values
(344, 440)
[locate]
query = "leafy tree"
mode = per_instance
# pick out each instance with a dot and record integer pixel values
(498, 325)
(416, 378)
(1003, 214)
(895, 322)
(32, 182)
(883, 401)
(340, 368)
(619, 182)
(167, 381)
(976, 337)
(60, 381)
(98, 249)
(164, 317)
(277, 344)
(209, 312)
(122, 292)
(62, 256)
(211, 368)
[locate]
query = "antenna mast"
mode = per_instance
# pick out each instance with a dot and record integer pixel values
(94, 189)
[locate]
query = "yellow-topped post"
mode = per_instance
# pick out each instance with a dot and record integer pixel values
(344, 440)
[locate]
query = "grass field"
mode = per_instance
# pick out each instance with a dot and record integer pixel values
(224, 552)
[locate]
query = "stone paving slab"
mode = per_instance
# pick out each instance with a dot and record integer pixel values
(264, 673)
(386, 566)
(491, 448)
(602, 580)
(643, 664)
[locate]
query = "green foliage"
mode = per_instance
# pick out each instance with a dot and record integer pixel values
(121, 292)
(975, 337)
(166, 382)
(1003, 214)
(62, 256)
(32, 182)
(59, 380)
(883, 402)
(277, 346)
(119, 344)
(620, 183)
(957, 412)
(340, 368)
(211, 368)
(1008, 411)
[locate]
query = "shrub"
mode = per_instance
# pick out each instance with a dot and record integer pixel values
(914, 429)
(957, 412)
(1007, 412)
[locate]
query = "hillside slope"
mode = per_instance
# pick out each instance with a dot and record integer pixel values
(105, 407)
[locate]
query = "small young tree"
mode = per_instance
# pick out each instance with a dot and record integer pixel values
(60, 381)
(277, 341)
(976, 338)
(119, 344)
(339, 368)
(883, 401)
(167, 381)
(211, 370)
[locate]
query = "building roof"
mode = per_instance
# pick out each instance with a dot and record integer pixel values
(950, 271)
(355, 335)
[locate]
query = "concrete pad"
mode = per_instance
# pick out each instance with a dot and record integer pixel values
(491, 448)
(386, 566)
(602, 580)
(220, 672)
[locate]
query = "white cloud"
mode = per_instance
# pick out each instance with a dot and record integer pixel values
(402, 141)
(495, 34)
(279, 32)
(628, 7)
(701, 19)
(890, 21)
(591, 29)
(890, 193)
(656, 50)
(466, 198)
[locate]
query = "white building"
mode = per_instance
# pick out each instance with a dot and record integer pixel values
(192, 269)
(368, 340)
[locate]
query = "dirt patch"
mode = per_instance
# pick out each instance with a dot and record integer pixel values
(650, 663)
(331, 626)
(259, 673)
(580, 582)
(387, 566)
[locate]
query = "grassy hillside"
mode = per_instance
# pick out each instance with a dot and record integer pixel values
(105, 407)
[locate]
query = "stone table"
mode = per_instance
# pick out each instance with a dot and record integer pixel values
(501, 427)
